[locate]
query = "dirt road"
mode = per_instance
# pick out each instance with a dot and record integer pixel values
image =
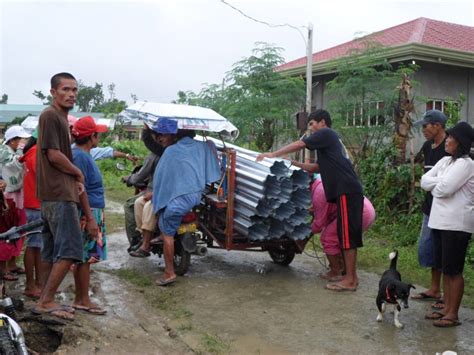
(225, 304)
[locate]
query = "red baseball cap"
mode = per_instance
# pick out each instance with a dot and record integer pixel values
(86, 126)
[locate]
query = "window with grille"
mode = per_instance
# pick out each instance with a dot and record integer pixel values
(440, 105)
(370, 114)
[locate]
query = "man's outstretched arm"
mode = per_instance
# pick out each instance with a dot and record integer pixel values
(287, 149)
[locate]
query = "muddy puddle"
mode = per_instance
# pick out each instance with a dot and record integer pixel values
(233, 302)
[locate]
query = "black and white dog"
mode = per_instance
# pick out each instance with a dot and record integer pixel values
(393, 291)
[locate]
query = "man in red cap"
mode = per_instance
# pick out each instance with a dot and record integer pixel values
(99, 153)
(86, 134)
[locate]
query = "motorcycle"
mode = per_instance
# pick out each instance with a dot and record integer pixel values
(12, 339)
(188, 238)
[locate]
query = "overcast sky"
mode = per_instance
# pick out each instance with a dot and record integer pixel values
(155, 48)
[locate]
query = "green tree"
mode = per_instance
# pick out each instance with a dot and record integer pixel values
(113, 105)
(45, 100)
(256, 98)
(363, 97)
(89, 98)
(4, 99)
(452, 108)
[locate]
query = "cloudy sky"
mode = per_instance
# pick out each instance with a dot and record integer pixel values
(155, 48)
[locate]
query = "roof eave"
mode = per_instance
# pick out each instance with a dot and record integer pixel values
(412, 51)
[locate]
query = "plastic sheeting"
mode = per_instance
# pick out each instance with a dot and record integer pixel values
(188, 117)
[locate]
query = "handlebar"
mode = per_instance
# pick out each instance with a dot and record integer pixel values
(15, 233)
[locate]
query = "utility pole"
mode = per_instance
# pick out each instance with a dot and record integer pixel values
(309, 67)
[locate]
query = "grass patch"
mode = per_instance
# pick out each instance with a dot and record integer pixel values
(134, 277)
(164, 300)
(373, 257)
(114, 221)
(182, 312)
(214, 345)
(186, 327)
(119, 194)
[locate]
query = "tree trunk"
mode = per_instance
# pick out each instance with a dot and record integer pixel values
(402, 119)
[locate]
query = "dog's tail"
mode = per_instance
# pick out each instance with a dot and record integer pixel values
(393, 259)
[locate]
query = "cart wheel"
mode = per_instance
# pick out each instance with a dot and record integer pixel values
(283, 254)
(182, 259)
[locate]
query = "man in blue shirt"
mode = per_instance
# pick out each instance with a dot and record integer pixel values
(179, 181)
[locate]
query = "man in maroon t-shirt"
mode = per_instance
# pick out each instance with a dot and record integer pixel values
(59, 187)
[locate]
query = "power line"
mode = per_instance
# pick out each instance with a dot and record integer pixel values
(264, 22)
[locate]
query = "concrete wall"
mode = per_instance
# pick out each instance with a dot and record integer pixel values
(435, 81)
(438, 81)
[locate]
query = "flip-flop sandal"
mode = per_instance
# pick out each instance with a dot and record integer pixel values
(424, 296)
(162, 282)
(97, 310)
(156, 241)
(446, 323)
(140, 253)
(330, 278)
(434, 315)
(438, 305)
(58, 312)
(340, 288)
(9, 276)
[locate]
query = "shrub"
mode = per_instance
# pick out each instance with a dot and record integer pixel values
(389, 186)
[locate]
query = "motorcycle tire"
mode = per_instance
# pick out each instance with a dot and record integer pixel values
(182, 259)
(283, 254)
(7, 346)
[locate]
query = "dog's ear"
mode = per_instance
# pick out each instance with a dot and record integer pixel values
(411, 286)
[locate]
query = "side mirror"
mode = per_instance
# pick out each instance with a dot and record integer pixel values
(120, 166)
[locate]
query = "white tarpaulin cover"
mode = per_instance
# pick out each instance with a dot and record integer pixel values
(31, 122)
(188, 117)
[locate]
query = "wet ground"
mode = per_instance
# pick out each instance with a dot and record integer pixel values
(241, 302)
(234, 302)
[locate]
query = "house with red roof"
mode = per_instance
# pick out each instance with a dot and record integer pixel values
(444, 52)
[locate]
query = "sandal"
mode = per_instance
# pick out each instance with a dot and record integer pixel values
(156, 241)
(446, 323)
(58, 312)
(434, 315)
(139, 253)
(97, 310)
(438, 305)
(9, 276)
(424, 296)
(340, 288)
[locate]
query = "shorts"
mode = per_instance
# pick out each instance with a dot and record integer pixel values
(62, 236)
(149, 219)
(425, 244)
(95, 250)
(33, 240)
(450, 249)
(170, 217)
(349, 220)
